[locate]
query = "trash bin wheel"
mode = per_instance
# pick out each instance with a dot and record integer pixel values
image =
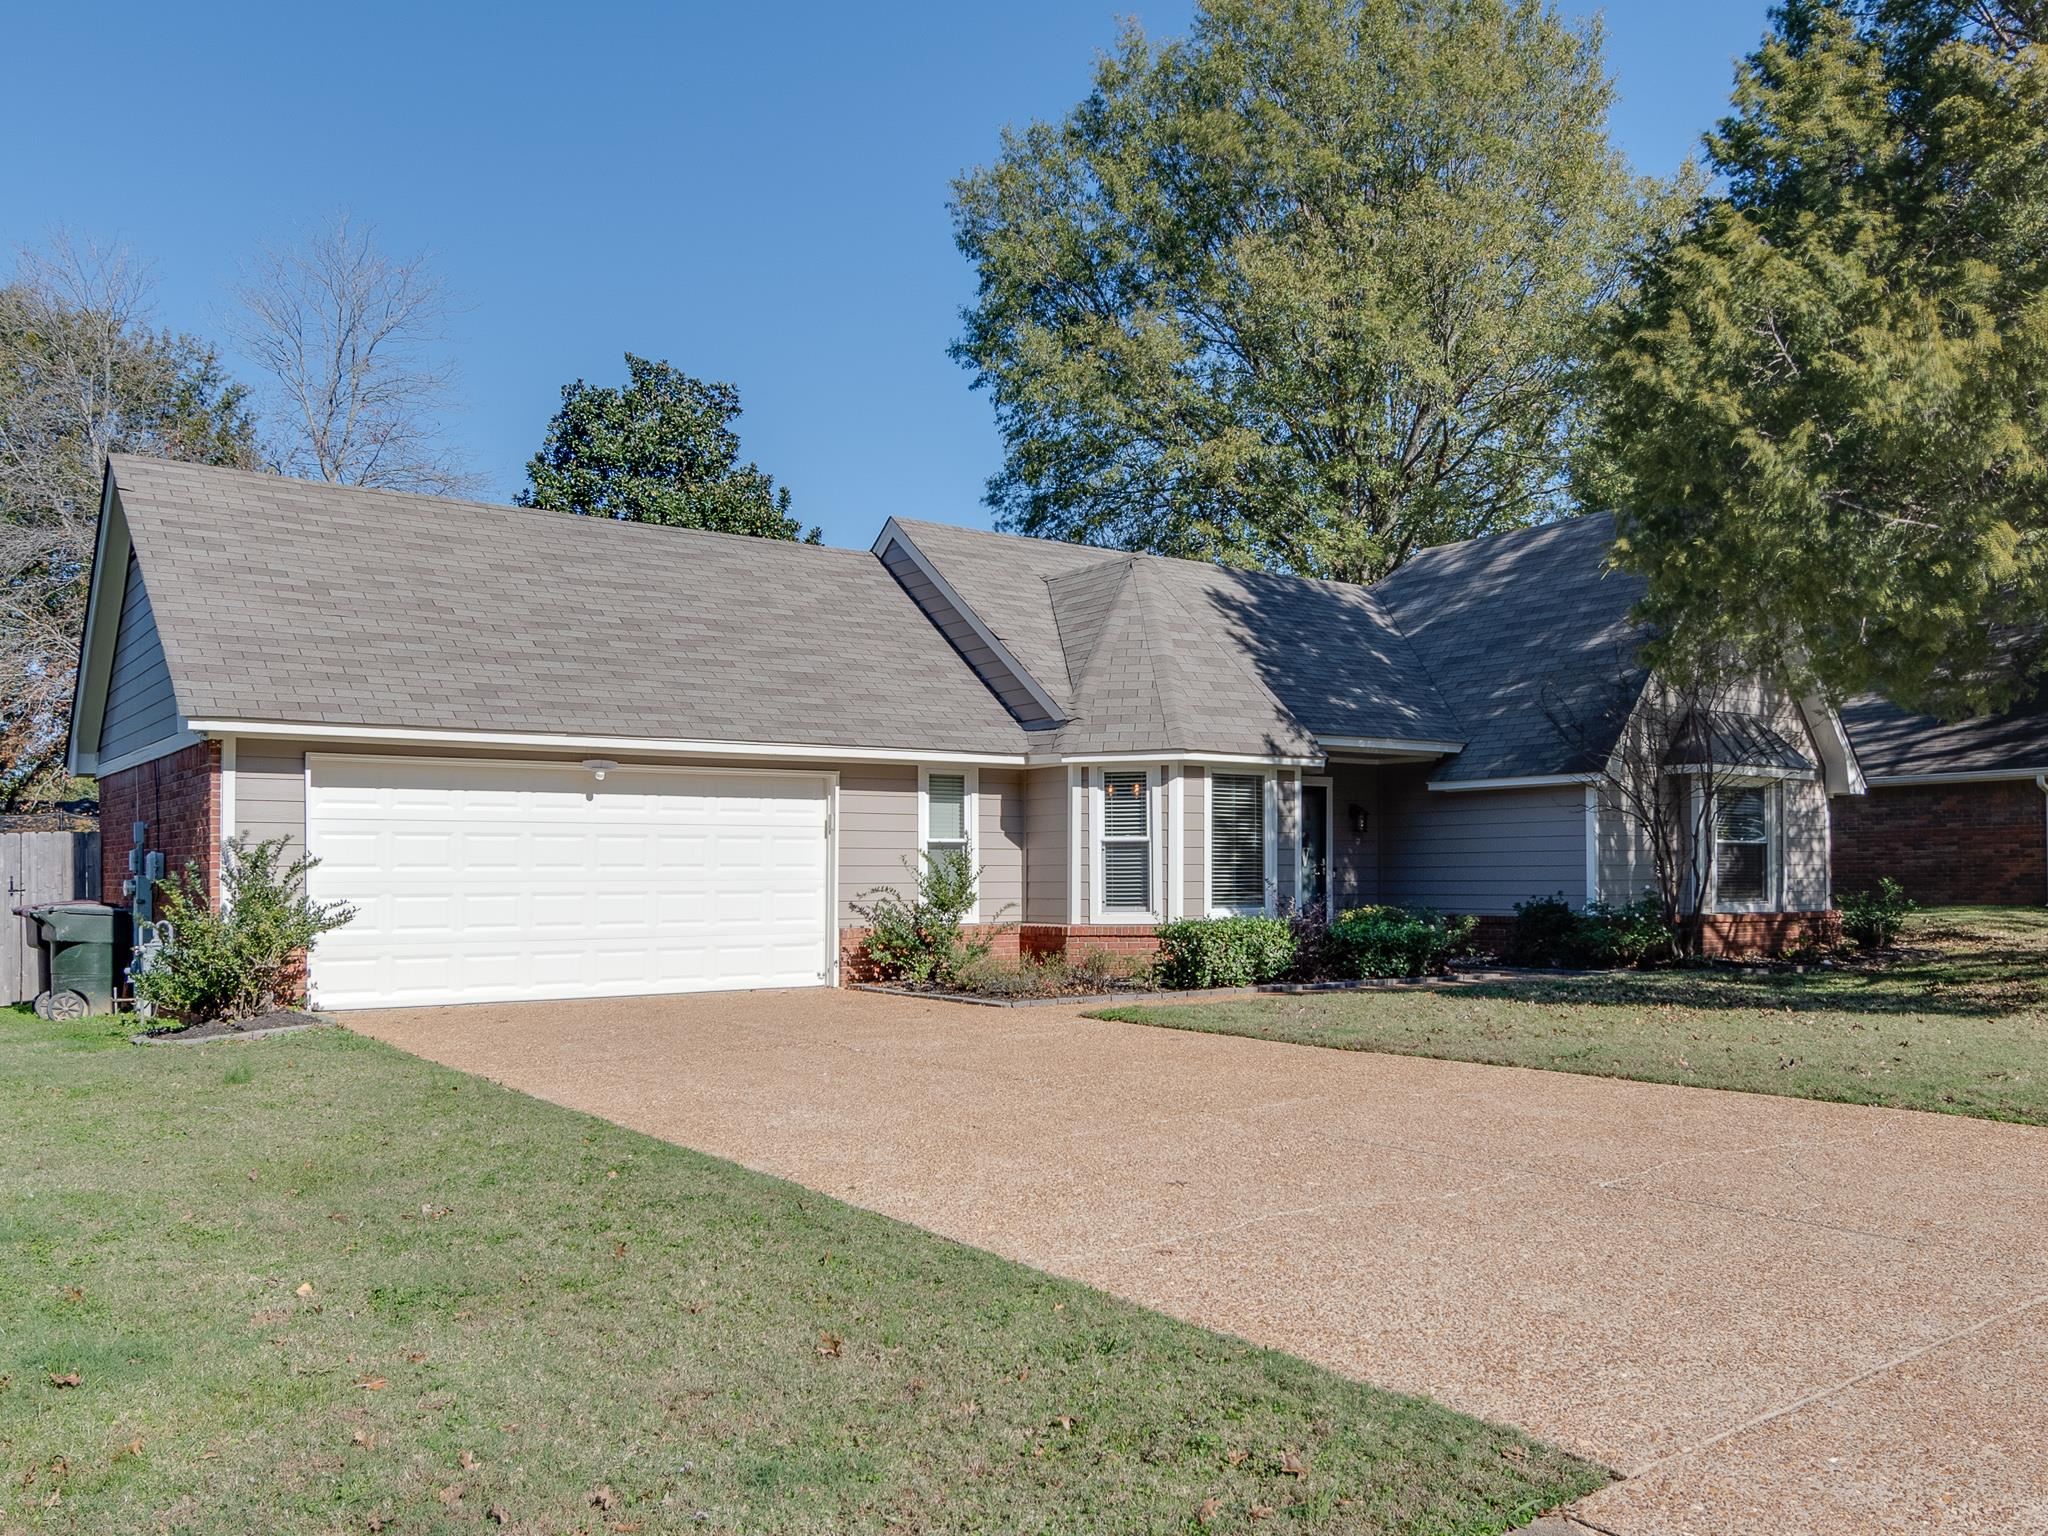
(63, 1005)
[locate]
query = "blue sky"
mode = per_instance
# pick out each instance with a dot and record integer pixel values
(757, 193)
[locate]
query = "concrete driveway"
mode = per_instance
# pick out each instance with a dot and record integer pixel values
(1773, 1316)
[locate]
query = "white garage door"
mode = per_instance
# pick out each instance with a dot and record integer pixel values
(487, 882)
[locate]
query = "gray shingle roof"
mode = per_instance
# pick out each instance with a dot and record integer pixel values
(1299, 655)
(1890, 743)
(290, 601)
(1729, 739)
(1529, 641)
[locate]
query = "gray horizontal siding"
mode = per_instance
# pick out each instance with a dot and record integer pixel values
(1045, 845)
(1002, 681)
(1479, 850)
(141, 710)
(1001, 833)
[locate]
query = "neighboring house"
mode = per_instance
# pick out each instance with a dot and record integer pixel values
(1957, 810)
(547, 756)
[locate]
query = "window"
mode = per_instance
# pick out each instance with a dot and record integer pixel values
(945, 815)
(1126, 843)
(1742, 844)
(1237, 841)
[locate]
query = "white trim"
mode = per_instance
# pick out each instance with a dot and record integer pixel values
(149, 754)
(1395, 744)
(1592, 843)
(1302, 783)
(1267, 797)
(1077, 832)
(1983, 776)
(1533, 781)
(393, 735)
(1137, 759)
(893, 533)
(1844, 774)
(1738, 773)
(970, 813)
(96, 643)
(832, 914)
(1176, 843)
(227, 795)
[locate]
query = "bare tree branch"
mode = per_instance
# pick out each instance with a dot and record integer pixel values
(350, 338)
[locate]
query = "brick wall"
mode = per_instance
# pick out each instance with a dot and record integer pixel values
(1035, 940)
(179, 796)
(1982, 843)
(1722, 934)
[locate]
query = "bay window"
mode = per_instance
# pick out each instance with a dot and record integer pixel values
(1745, 838)
(1237, 842)
(1126, 844)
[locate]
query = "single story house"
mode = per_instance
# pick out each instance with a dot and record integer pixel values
(1957, 810)
(547, 756)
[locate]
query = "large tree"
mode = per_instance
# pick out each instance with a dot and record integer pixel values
(662, 449)
(82, 374)
(351, 338)
(1826, 405)
(1306, 290)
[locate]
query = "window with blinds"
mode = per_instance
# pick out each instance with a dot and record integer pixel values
(1742, 844)
(1237, 840)
(945, 813)
(1126, 843)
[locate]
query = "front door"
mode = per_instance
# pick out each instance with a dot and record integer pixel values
(1315, 845)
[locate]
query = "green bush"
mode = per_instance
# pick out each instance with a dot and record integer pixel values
(1548, 932)
(918, 937)
(1874, 919)
(1223, 952)
(1394, 941)
(241, 960)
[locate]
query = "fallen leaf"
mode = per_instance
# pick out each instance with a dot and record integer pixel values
(305, 1289)
(1259, 1511)
(252, 1175)
(365, 1439)
(969, 1409)
(415, 1356)
(68, 1379)
(132, 1448)
(618, 1250)
(1024, 1373)
(829, 1344)
(467, 1461)
(602, 1497)
(1293, 1465)
(622, 1525)
(378, 1522)
(1235, 1458)
(73, 1293)
(498, 1516)
(613, 1174)
(268, 1316)
(373, 1384)
(451, 1495)
(1209, 1510)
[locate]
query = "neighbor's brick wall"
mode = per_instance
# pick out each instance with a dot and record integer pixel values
(1722, 934)
(179, 796)
(1981, 843)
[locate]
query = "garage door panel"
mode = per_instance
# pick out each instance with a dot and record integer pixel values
(478, 881)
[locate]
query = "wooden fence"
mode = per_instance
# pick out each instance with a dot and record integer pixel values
(37, 867)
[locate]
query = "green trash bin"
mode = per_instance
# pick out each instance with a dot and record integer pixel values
(87, 943)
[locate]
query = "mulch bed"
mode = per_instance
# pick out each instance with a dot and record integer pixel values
(276, 1021)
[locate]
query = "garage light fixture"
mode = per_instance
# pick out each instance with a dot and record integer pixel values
(599, 766)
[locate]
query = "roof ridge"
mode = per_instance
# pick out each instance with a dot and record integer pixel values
(187, 466)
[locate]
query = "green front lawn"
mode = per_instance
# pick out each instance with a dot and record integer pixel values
(314, 1284)
(1959, 1025)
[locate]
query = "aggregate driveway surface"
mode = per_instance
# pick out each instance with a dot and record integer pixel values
(1772, 1315)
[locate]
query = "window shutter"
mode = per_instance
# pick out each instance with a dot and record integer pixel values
(1237, 840)
(1126, 843)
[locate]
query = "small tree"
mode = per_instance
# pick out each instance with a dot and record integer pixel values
(660, 450)
(919, 935)
(241, 958)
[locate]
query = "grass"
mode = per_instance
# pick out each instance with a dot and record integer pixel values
(1957, 1024)
(312, 1284)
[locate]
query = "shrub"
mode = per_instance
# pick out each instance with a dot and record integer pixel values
(1096, 970)
(1548, 932)
(1394, 941)
(918, 937)
(238, 961)
(1543, 933)
(1874, 919)
(1223, 952)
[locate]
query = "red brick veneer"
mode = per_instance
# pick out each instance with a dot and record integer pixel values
(1722, 934)
(179, 797)
(1946, 842)
(1035, 940)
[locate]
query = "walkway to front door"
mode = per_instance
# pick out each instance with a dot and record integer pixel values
(1773, 1315)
